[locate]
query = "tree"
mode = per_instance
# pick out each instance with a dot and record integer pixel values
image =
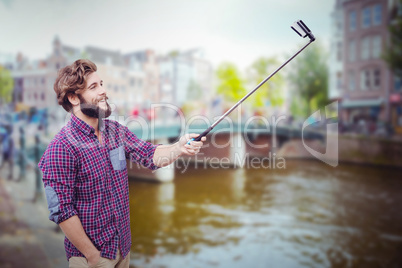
(393, 55)
(309, 76)
(6, 85)
(173, 54)
(231, 86)
(271, 91)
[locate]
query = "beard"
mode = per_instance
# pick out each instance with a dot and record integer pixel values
(93, 110)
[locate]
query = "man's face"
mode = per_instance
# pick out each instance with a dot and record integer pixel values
(93, 101)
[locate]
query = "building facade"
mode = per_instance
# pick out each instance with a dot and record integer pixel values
(367, 80)
(335, 64)
(133, 81)
(33, 84)
(396, 90)
(145, 62)
(185, 76)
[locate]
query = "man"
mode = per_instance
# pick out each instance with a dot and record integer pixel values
(7, 142)
(85, 174)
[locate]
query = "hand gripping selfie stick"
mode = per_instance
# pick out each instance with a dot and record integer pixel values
(301, 29)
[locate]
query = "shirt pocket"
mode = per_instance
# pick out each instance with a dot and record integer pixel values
(118, 158)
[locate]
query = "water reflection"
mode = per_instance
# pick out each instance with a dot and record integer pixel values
(308, 215)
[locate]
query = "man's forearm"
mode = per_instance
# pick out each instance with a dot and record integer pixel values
(164, 155)
(74, 231)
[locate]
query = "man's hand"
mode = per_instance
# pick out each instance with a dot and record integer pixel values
(93, 258)
(194, 147)
(166, 154)
(74, 231)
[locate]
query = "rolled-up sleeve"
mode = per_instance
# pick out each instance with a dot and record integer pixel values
(58, 166)
(139, 151)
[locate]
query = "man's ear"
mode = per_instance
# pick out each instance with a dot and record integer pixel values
(73, 99)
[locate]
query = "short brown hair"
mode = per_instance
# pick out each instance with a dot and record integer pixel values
(72, 79)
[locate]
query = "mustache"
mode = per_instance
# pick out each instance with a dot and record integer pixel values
(102, 98)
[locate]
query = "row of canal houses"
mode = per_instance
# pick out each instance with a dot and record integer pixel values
(133, 80)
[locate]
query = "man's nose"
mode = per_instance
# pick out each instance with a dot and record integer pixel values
(102, 90)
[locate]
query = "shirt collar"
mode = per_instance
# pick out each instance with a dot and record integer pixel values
(81, 125)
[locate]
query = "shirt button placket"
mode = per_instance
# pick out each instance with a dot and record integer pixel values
(113, 202)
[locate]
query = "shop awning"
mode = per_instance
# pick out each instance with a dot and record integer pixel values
(362, 103)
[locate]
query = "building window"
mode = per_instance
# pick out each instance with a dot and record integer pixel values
(338, 25)
(397, 83)
(339, 80)
(352, 81)
(365, 48)
(352, 51)
(376, 78)
(352, 20)
(132, 82)
(108, 60)
(377, 46)
(339, 51)
(377, 14)
(116, 74)
(42, 96)
(339, 21)
(365, 80)
(366, 17)
(399, 6)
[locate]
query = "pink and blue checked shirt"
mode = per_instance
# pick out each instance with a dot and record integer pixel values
(89, 179)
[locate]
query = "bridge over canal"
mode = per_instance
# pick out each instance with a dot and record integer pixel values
(228, 144)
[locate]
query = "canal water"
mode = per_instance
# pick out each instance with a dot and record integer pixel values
(306, 215)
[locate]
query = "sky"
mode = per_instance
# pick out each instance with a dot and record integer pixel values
(237, 31)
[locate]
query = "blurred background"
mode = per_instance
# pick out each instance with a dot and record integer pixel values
(163, 62)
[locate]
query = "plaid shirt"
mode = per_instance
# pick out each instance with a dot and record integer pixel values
(89, 179)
